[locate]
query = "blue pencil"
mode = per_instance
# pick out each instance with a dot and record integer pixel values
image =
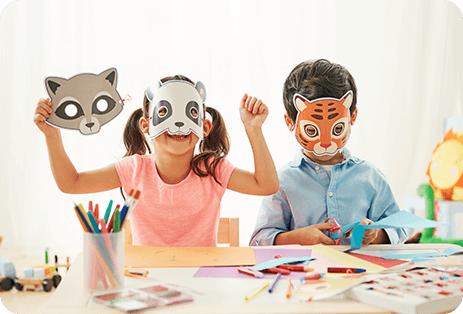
(274, 283)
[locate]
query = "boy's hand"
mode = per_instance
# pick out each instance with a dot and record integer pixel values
(42, 112)
(253, 112)
(370, 234)
(310, 235)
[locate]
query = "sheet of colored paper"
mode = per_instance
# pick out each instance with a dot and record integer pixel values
(388, 263)
(148, 256)
(262, 255)
(402, 219)
(446, 252)
(343, 259)
(324, 257)
(327, 287)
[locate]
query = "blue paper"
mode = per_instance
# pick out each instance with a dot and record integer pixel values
(446, 252)
(402, 219)
(279, 261)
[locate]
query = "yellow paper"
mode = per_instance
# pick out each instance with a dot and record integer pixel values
(149, 256)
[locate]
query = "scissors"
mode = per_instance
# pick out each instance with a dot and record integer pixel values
(339, 232)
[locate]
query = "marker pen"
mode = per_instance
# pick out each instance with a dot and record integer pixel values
(250, 272)
(345, 270)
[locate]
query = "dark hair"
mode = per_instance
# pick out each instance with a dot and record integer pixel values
(212, 148)
(316, 79)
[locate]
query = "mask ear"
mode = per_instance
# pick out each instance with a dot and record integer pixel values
(201, 90)
(299, 102)
(348, 98)
(150, 90)
(53, 83)
(110, 75)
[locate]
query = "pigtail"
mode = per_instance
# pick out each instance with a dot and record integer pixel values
(134, 140)
(213, 148)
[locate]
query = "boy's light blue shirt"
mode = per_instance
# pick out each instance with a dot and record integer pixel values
(307, 196)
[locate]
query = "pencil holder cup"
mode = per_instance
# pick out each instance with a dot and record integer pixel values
(103, 260)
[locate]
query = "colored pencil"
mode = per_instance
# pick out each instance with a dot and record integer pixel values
(111, 221)
(117, 220)
(288, 290)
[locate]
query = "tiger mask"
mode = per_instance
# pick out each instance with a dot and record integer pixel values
(322, 124)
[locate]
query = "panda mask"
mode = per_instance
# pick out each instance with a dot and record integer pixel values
(176, 107)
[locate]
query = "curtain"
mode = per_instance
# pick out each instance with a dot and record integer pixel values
(404, 55)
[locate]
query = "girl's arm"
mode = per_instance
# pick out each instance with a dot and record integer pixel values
(264, 180)
(66, 177)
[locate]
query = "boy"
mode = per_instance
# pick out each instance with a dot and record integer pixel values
(323, 180)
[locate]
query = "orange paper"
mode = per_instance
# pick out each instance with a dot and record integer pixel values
(150, 256)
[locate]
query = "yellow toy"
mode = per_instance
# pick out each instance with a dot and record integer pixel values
(446, 168)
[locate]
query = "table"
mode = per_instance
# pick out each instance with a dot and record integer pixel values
(226, 295)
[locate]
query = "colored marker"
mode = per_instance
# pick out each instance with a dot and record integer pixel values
(93, 222)
(131, 207)
(296, 268)
(85, 224)
(108, 211)
(256, 291)
(96, 212)
(274, 283)
(127, 203)
(250, 272)
(90, 207)
(345, 270)
(117, 220)
(111, 221)
(313, 276)
(46, 256)
(288, 291)
(277, 270)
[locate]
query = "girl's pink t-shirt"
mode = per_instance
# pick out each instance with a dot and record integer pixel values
(173, 215)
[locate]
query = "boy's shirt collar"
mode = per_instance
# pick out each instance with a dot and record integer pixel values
(297, 161)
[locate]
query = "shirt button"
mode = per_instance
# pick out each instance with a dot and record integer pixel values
(330, 194)
(317, 168)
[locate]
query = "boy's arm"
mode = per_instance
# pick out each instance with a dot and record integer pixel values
(273, 225)
(66, 177)
(310, 235)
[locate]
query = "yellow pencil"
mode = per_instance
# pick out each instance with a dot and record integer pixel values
(256, 291)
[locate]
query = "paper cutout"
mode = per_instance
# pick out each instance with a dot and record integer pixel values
(176, 107)
(325, 288)
(322, 125)
(278, 261)
(149, 256)
(85, 101)
(401, 219)
(445, 171)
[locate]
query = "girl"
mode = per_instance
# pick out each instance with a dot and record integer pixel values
(181, 191)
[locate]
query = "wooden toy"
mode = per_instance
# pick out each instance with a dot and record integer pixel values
(7, 274)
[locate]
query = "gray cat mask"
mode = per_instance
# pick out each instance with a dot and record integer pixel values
(85, 101)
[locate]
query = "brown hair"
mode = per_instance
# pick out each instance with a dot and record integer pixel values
(212, 148)
(316, 79)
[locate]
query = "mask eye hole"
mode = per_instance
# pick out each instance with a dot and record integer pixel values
(311, 131)
(194, 112)
(162, 112)
(338, 129)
